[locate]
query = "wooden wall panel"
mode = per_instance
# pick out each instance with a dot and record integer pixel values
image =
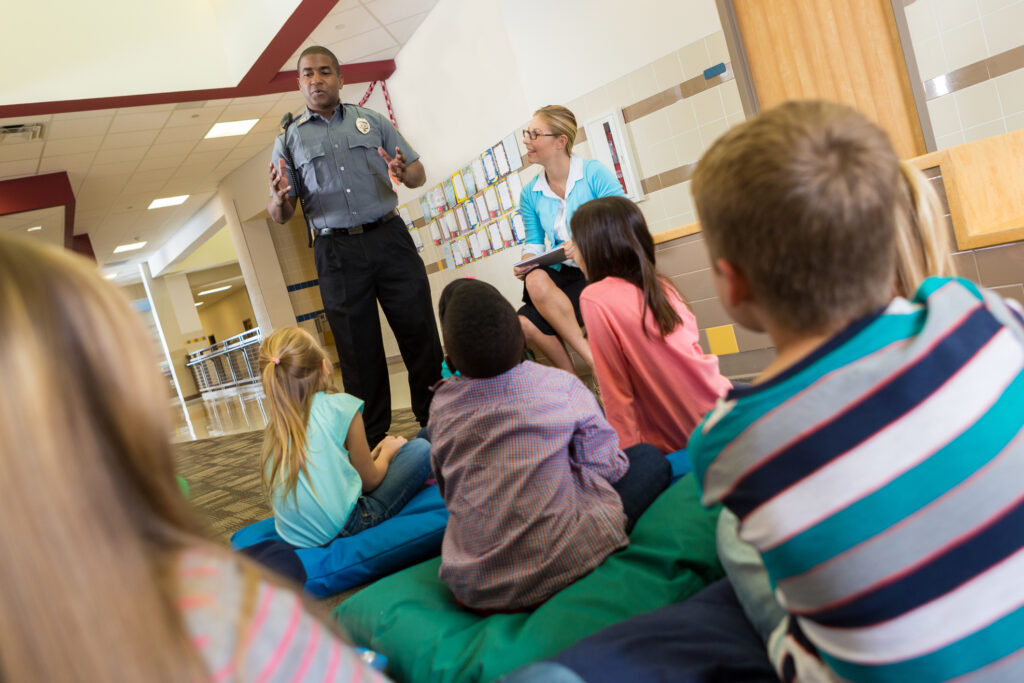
(840, 50)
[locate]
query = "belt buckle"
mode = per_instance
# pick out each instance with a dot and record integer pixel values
(357, 230)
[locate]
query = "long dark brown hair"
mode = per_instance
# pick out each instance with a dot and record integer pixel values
(613, 241)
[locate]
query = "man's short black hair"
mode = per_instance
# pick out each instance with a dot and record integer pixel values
(481, 330)
(318, 50)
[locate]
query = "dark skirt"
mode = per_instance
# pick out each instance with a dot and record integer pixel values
(568, 279)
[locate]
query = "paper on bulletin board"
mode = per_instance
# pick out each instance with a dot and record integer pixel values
(505, 197)
(460, 248)
(459, 186)
(490, 169)
(500, 159)
(515, 157)
(416, 239)
(437, 201)
(518, 228)
(449, 257)
(515, 186)
(481, 207)
(471, 214)
(505, 230)
(493, 205)
(449, 192)
(474, 247)
(451, 223)
(479, 176)
(435, 232)
(403, 211)
(443, 224)
(469, 180)
(460, 216)
(428, 212)
(494, 233)
(485, 244)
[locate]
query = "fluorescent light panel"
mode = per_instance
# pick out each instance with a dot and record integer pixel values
(168, 201)
(132, 246)
(226, 129)
(214, 290)
(35, 229)
(199, 303)
(110, 276)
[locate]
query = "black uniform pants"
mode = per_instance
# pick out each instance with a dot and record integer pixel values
(357, 271)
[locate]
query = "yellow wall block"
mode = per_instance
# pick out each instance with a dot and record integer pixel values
(722, 340)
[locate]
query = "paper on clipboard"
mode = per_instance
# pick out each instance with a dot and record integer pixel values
(548, 258)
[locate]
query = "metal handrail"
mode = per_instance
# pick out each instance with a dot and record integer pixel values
(226, 364)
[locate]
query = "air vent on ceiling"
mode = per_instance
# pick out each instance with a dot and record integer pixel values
(20, 132)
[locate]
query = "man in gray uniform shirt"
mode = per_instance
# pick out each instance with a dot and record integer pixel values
(362, 248)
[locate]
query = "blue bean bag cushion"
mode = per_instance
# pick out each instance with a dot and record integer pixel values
(413, 619)
(411, 536)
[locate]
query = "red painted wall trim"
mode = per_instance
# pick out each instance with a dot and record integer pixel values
(263, 77)
(40, 192)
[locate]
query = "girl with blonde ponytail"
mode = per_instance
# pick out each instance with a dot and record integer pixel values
(322, 478)
(923, 245)
(105, 573)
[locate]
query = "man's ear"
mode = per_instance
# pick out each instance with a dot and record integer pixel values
(735, 285)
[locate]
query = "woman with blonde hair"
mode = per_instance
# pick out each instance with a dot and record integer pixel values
(923, 244)
(322, 478)
(551, 294)
(105, 572)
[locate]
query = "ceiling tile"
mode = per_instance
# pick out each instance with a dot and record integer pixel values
(204, 159)
(17, 151)
(388, 53)
(205, 116)
(403, 29)
(68, 162)
(138, 185)
(92, 114)
(109, 156)
(55, 148)
(169, 149)
(17, 169)
(211, 144)
(77, 128)
(191, 134)
(390, 11)
(153, 164)
(114, 169)
(342, 25)
(355, 48)
(242, 112)
(141, 138)
(154, 176)
(126, 122)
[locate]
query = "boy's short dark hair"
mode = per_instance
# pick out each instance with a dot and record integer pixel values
(481, 330)
(802, 199)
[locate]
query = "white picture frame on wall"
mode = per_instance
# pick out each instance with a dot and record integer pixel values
(609, 144)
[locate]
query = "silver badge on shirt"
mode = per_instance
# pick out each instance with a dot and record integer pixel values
(362, 125)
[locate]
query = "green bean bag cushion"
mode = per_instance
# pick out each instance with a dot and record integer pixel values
(413, 619)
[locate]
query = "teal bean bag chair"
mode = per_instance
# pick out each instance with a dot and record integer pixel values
(413, 619)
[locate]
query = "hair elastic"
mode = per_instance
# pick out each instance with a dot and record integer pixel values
(275, 361)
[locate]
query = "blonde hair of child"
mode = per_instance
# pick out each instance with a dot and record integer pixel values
(294, 368)
(923, 244)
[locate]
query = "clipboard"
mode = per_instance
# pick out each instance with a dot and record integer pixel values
(548, 258)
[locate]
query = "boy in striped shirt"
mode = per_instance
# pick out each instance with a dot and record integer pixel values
(877, 462)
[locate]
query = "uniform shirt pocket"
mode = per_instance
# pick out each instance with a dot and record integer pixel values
(311, 161)
(363, 149)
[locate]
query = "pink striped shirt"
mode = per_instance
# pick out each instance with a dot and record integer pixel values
(281, 641)
(654, 390)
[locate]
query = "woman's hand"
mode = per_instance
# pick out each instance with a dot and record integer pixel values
(389, 447)
(521, 271)
(570, 249)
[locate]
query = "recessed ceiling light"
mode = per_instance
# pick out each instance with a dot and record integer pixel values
(216, 289)
(131, 246)
(110, 276)
(35, 229)
(168, 201)
(226, 129)
(199, 303)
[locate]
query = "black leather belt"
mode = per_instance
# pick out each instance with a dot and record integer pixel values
(358, 229)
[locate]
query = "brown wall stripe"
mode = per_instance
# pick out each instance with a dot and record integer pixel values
(973, 74)
(670, 96)
(673, 176)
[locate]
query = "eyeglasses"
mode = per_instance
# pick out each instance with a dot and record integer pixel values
(534, 134)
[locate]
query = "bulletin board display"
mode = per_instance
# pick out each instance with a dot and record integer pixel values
(474, 212)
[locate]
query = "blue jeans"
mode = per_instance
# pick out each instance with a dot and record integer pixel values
(405, 477)
(649, 474)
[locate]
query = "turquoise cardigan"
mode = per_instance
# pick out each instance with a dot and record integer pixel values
(540, 211)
